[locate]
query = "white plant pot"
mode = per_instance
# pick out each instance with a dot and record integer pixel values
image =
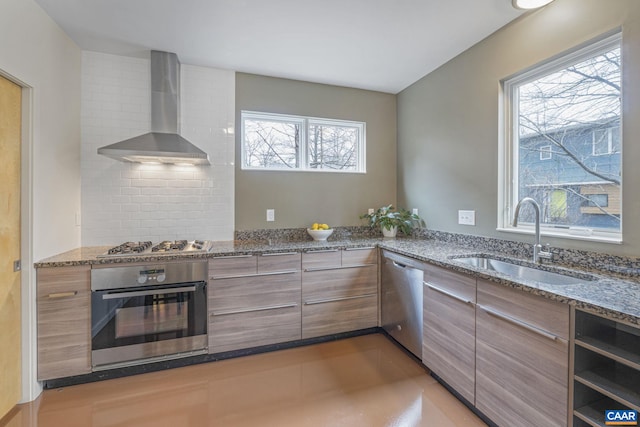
(389, 232)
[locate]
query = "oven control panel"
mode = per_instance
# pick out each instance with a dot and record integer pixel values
(152, 275)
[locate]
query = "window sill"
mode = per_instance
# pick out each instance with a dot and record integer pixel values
(596, 237)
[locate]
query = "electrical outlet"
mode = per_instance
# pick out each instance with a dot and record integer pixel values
(414, 211)
(467, 217)
(371, 211)
(271, 214)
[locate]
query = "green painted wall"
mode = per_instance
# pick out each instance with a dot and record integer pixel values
(449, 121)
(301, 198)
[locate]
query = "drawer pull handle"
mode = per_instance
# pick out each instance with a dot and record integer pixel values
(449, 294)
(63, 295)
(249, 310)
(322, 301)
(521, 324)
(232, 256)
(337, 267)
(320, 251)
(360, 249)
(239, 276)
(280, 254)
(129, 294)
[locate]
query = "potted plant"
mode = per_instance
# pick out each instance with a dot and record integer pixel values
(390, 220)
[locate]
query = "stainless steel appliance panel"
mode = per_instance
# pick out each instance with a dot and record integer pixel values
(402, 300)
(148, 312)
(148, 274)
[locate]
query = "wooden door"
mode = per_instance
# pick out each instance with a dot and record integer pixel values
(10, 327)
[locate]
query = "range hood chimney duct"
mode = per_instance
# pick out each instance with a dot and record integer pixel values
(162, 144)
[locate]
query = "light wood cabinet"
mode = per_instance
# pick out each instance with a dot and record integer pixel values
(449, 328)
(522, 357)
(64, 321)
(339, 291)
(253, 301)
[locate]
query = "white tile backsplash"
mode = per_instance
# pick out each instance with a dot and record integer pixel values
(126, 201)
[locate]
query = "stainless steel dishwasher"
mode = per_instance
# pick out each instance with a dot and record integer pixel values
(402, 300)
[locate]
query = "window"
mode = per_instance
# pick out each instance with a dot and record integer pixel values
(596, 201)
(284, 142)
(606, 141)
(545, 152)
(569, 107)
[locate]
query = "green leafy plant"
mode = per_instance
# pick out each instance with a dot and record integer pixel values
(389, 217)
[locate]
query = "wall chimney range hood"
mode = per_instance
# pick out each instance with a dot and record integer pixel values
(162, 144)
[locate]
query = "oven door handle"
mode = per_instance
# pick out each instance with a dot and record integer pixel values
(144, 293)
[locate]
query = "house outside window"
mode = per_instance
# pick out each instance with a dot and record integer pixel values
(571, 107)
(299, 143)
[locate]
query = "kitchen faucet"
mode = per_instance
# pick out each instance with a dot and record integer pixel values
(537, 247)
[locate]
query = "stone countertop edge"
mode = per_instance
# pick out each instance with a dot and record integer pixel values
(608, 296)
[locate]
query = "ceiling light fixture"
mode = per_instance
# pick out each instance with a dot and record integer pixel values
(529, 4)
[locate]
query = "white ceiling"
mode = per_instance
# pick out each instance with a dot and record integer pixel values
(382, 45)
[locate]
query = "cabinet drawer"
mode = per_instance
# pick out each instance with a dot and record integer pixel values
(257, 292)
(453, 283)
(539, 312)
(339, 283)
(321, 259)
(233, 265)
(339, 316)
(253, 328)
(521, 376)
(269, 263)
(359, 256)
(449, 341)
(64, 321)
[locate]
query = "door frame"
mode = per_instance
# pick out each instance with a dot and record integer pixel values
(31, 388)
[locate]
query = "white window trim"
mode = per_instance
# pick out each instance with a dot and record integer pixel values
(508, 168)
(609, 143)
(545, 152)
(304, 122)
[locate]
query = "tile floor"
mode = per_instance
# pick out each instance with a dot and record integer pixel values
(362, 381)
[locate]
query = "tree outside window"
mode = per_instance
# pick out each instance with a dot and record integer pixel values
(566, 144)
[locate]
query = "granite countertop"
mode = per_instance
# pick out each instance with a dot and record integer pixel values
(615, 297)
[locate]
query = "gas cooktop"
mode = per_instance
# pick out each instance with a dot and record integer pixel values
(167, 247)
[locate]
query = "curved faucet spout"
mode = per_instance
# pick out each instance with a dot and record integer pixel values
(537, 248)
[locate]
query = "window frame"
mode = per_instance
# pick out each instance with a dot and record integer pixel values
(609, 151)
(507, 150)
(305, 122)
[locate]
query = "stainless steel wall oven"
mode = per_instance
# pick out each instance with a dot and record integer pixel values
(146, 313)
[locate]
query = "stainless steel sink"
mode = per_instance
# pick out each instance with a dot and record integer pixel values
(522, 271)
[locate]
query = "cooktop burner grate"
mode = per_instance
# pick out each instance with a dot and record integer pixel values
(163, 248)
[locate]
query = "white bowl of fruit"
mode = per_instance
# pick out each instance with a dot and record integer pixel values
(319, 232)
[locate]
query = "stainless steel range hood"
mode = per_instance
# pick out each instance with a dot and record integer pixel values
(162, 144)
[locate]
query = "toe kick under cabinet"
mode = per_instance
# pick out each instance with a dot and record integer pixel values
(339, 291)
(254, 300)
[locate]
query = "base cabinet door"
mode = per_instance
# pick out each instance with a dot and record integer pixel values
(64, 321)
(253, 300)
(339, 291)
(254, 310)
(339, 300)
(449, 328)
(522, 357)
